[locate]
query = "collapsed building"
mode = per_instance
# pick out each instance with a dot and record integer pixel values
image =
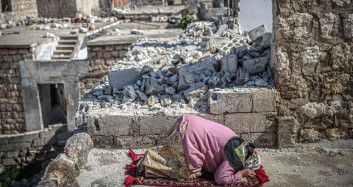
(275, 89)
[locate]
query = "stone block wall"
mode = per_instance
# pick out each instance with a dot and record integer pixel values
(12, 119)
(251, 113)
(56, 9)
(21, 149)
(19, 10)
(23, 8)
(313, 46)
(100, 59)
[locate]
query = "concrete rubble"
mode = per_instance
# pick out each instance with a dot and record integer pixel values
(155, 74)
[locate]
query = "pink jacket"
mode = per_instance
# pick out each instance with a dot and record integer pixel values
(203, 142)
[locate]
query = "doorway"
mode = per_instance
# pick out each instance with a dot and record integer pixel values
(52, 101)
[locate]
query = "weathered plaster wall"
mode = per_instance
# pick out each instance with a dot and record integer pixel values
(313, 47)
(12, 119)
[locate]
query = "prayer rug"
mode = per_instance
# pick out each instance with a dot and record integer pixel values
(203, 181)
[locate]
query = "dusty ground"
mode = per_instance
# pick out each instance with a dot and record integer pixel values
(327, 163)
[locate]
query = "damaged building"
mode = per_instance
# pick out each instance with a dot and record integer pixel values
(124, 82)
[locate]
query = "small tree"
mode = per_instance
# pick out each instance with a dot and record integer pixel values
(187, 17)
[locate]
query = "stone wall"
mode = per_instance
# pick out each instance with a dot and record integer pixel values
(313, 66)
(57, 8)
(21, 149)
(100, 59)
(12, 117)
(19, 10)
(251, 113)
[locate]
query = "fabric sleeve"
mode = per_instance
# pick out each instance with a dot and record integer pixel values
(193, 156)
(225, 174)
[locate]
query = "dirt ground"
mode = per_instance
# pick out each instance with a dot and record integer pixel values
(327, 163)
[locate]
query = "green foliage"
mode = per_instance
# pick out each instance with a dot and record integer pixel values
(18, 173)
(10, 174)
(187, 17)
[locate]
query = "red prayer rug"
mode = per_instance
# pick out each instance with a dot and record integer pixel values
(203, 181)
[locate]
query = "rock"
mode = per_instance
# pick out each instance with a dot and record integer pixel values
(153, 87)
(165, 101)
(241, 51)
(310, 135)
(221, 30)
(136, 32)
(242, 76)
(255, 66)
(214, 81)
(49, 35)
(313, 110)
(348, 26)
(141, 95)
(261, 83)
(83, 30)
(266, 40)
(229, 63)
(216, 43)
(169, 90)
(256, 34)
(76, 31)
(208, 64)
(336, 133)
(129, 94)
(3, 26)
(152, 100)
(172, 79)
(97, 92)
(107, 98)
(92, 27)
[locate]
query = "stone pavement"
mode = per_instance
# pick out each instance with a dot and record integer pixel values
(327, 163)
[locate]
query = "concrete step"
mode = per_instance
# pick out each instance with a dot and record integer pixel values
(65, 47)
(62, 57)
(65, 52)
(68, 37)
(67, 42)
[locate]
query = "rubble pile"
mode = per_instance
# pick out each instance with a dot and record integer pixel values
(55, 23)
(179, 73)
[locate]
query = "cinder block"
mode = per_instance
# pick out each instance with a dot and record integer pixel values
(247, 122)
(109, 124)
(230, 101)
(261, 139)
(264, 100)
(156, 124)
(215, 118)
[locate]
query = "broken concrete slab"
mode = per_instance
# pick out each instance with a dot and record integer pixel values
(208, 64)
(256, 34)
(123, 77)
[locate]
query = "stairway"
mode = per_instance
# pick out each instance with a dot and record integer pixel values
(65, 48)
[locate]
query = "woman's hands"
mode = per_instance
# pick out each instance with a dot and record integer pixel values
(247, 173)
